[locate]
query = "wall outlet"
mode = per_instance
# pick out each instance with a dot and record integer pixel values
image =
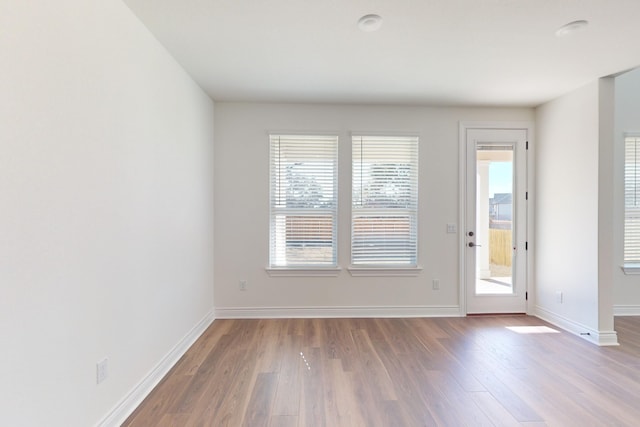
(436, 284)
(102, 370)
(559, 297)
(242, 285)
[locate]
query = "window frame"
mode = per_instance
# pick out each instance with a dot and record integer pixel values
(387, 267)
(275, 268)
(631, 266)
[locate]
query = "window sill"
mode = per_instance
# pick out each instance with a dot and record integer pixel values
(385, 271)
(303, 271)
(631, 268)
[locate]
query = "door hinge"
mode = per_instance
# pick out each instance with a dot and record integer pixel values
(526, 195)
(526, 296)
(527, 145)
(526, 246)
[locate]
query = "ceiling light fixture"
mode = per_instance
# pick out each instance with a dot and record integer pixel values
(571, 28)
(369, 23)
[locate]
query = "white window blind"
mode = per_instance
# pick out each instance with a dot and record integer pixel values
(304, 176)
(632, 200)
(384, 214)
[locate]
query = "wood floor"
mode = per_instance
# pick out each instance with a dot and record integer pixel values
(399, 372)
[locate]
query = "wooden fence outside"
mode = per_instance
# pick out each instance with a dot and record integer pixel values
(500, 249)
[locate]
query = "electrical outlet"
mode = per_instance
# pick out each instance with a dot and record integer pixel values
(436, 284)
(242, 285)
(102, 370)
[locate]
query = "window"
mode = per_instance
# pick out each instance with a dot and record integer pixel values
(304, 171)
(632, 200)
(384, 212)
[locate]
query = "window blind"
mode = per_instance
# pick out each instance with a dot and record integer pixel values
(632, 200)
(384, 214)
(303, 200)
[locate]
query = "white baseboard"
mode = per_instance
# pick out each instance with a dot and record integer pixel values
(626, 310)
(601, 338)
(131, 401)
(334, 312)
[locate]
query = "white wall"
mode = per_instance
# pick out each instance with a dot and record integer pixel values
(573, 212)
(627, 119)
(242, 210)
(106, 207)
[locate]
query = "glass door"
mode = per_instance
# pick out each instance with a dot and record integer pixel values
(495, 228)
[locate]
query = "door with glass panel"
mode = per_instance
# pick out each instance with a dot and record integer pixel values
(495, 221)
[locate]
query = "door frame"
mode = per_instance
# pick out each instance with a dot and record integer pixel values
(462, 179)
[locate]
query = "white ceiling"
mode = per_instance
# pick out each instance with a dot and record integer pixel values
(433, 52)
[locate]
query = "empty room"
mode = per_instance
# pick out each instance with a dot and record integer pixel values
(292, 213)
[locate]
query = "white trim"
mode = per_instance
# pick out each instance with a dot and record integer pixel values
(384, 271)
(630, 269)
(601, 338)
(607, 338)
(462, 217)
(384, 133)
(531, 190)
(303, 272)
(290, 132)
(132, 400)
(626, 310)
(462, 180)
(335, 312)
(524, 125)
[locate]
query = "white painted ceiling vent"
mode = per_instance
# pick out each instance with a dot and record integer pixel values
(369, 23)
(571, 28)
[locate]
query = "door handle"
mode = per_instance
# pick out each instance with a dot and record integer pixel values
(473, 245)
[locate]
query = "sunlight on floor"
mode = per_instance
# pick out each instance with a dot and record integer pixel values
(532, 330)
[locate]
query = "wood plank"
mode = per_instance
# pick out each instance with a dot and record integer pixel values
(191, 361)
(258, 411)
(287, 398)
(312, 405)
(397, 372)
(343, 407)
(163, 400)
(497, 413)
(283, 421)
